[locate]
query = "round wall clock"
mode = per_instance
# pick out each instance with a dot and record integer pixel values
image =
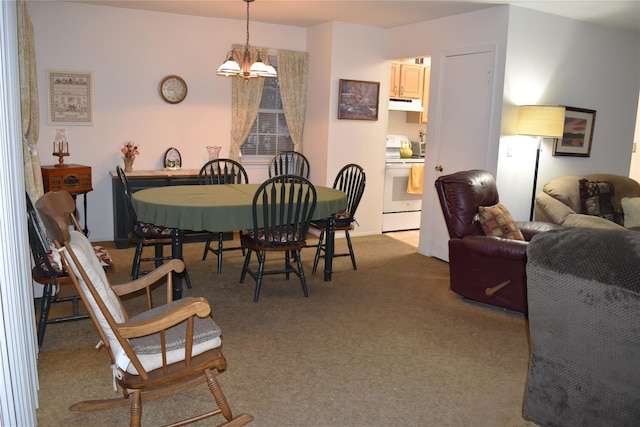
(172, 159)
(173, 89)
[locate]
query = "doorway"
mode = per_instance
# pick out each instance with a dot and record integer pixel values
(462, 131)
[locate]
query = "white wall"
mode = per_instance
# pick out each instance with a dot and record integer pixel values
(553, 60)
(358, 54)
(129, 52)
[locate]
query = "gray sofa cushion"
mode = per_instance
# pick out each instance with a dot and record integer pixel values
(584, 321)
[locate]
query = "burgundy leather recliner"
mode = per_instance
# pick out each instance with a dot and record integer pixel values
(483, 268)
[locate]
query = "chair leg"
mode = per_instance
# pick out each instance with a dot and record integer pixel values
(186, 277)
(261, 260)
(303, 280)
(221, 400)
(136, 409)
(207, 246)
(287, 263)
(44, 312)
(245, 266)
(351, 254)
(318, 250)
(220, 235)
(135, 268)
(159, 249)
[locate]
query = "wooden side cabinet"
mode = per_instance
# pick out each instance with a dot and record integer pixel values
(139, 180)
(76, 179)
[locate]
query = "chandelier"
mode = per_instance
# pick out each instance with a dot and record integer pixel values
(246, 68)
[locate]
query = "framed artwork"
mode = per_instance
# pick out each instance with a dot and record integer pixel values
(70, 97)
(578, 133)
(358, 100)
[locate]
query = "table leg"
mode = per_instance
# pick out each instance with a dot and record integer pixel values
(329, 247)
(176, 253)
(84, 201)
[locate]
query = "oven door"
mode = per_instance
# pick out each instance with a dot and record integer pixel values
(396, 198)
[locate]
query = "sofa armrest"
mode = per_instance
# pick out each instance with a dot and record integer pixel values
(550, 209)
(499, 247)
(590, 221)
(531, 228)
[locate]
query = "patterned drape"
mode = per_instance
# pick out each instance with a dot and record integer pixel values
(246, 96)
(245, 102)
(292, 74)
(29, 106)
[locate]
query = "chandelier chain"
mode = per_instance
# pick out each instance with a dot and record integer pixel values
(248, 1)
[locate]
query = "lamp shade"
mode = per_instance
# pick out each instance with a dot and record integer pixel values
(541, 120)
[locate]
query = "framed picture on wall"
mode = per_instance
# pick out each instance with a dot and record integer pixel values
(578, 133)
(70, 95)
(358, 100)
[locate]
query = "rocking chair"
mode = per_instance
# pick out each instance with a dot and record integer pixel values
(157, 353)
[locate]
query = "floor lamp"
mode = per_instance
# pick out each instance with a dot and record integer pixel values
(543, 122)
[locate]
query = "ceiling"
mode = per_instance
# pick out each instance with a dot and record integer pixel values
(382, 14)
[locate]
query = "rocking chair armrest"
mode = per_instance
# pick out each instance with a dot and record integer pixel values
(150, 278)
(194, 307)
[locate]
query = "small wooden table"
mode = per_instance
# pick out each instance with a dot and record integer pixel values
(224, 207)
(75, 179)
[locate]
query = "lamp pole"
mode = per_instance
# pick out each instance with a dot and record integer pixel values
(535, 178)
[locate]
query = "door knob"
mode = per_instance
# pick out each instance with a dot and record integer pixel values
(439, 168)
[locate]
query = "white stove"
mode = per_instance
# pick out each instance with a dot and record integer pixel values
(401, 210)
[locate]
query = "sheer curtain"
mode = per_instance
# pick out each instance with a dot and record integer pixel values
(246, 96)
(245, 102)
(292, 73)
(29, 106)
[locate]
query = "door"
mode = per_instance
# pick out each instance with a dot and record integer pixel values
(463, 130)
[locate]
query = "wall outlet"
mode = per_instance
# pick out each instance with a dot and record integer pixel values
(509, 150)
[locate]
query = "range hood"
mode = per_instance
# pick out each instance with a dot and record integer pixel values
(405, 105)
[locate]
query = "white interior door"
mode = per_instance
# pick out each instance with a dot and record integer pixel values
(463, 129)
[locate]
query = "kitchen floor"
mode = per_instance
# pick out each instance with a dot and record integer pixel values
(409, 236)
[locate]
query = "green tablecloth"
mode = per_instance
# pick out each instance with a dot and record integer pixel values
(215, 207)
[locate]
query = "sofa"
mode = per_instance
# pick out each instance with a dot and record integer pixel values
(593, 201)
(584, 304)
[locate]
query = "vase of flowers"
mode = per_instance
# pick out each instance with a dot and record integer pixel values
(129, 151)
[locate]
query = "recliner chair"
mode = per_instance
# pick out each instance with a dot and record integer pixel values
(483, 268)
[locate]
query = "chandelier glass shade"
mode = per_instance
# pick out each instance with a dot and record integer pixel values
(240, 61)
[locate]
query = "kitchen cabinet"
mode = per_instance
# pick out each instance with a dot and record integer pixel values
(421, 117)
(407, 81)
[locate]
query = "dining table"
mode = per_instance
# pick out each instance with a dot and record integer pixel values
(222, 208)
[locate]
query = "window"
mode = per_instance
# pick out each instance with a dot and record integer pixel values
(269, 133)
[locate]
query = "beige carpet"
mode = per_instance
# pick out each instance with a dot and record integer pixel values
(386, 345)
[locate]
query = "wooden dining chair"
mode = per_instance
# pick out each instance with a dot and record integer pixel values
(156, 353)
(221, 171)
(289, 163)
(47, 273)
(351, 180)
(282, 209)
(144, 234)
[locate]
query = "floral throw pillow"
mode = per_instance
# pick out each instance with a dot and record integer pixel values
(596, 198)
(497, 221)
